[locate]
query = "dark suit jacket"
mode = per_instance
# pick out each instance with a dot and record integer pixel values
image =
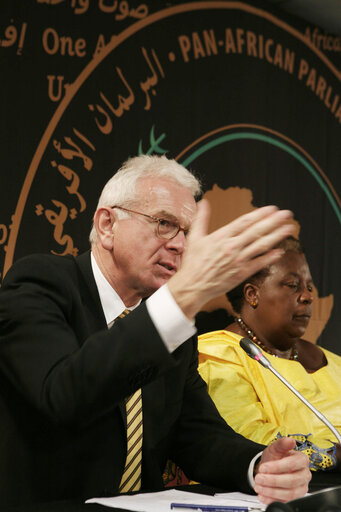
(63, 379)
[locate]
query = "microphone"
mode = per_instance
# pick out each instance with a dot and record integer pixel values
(255, 353)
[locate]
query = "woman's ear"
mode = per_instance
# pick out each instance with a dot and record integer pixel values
(250, 291)
(104, 222)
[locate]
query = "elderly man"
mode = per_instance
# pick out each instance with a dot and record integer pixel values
(94, 401)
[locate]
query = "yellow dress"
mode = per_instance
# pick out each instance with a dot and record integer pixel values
(255, 403)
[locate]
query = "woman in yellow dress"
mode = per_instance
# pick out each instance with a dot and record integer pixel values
(273, 309)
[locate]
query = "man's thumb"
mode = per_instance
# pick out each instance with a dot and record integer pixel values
(283, 445)
(200, 223)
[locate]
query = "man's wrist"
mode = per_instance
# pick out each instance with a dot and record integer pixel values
(186, 297)
(171, 323)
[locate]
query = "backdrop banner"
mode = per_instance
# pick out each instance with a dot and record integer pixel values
(242, 93)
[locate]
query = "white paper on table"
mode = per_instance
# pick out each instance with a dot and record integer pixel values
(245, 498)
(161, 501)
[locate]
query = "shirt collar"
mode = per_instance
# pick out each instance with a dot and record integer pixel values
(112, 303)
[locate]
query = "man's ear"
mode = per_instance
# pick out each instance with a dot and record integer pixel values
(104, 222)
(250, 291)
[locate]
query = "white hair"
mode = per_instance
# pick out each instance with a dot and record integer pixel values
(120, 190)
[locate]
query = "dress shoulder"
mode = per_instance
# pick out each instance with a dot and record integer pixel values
(220, 345)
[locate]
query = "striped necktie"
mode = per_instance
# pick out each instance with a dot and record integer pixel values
(131, 478)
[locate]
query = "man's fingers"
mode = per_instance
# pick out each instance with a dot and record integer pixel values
(259, 242)
(239, 225)
(265, 230)
(282, 487)
(285, 475)
(267, 495)
(294, 461)
(260, 262)
(262, 219)
(281, 481)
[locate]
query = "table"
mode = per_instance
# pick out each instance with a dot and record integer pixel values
(320, 480)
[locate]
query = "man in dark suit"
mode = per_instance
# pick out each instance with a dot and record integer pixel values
(68, 361)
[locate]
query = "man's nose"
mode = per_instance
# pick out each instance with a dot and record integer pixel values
(178, 243)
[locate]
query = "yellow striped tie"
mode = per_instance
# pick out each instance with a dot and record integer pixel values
(124, 313)
(131, 478)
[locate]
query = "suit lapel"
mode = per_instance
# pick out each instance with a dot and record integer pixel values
(92, 304)
(89, 293)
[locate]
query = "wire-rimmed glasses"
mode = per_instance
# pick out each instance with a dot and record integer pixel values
(166, 229)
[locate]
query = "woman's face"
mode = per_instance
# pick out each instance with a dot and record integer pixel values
(284, 299)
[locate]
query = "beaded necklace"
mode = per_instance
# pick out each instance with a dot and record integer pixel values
(253, 337)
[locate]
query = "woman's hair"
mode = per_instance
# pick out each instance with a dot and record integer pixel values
(236, 296)
(120, 190)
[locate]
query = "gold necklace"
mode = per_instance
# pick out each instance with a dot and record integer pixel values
(253, 337)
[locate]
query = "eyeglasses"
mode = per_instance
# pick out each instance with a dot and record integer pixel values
(165, 228)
